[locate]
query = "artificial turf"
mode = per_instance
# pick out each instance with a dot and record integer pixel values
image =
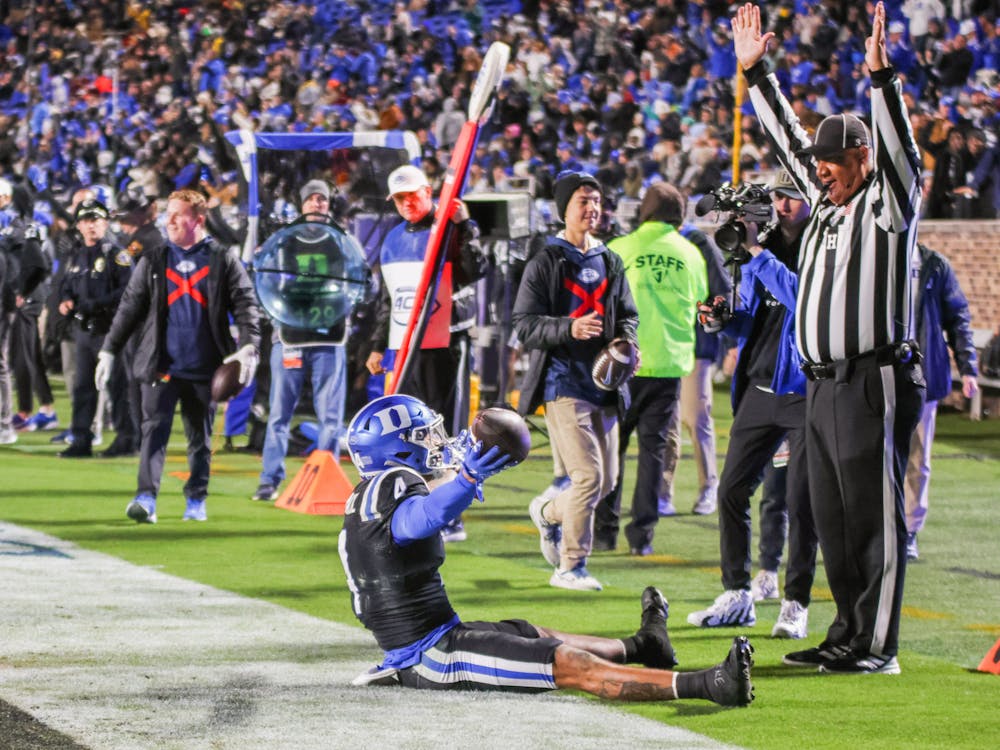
(951, 607)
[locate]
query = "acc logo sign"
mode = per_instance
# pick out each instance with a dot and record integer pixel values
(402, 304)
(589, 275)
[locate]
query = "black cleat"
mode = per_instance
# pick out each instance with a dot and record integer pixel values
(119, 449)
(814, 657)
(655, 608)
(729, 682)
(77, 451)
(652, 640)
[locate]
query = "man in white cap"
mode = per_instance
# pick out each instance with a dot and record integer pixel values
(435, 369)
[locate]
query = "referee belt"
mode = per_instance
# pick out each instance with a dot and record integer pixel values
(841, 370)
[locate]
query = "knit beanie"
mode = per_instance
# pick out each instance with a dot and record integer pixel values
(568, 183)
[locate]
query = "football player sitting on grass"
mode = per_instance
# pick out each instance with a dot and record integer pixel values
(391, 550)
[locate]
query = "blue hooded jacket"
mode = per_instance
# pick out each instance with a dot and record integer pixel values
(767, 271)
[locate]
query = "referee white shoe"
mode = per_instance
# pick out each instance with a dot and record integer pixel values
(732, 608)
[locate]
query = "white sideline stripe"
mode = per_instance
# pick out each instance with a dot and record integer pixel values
(119, 656)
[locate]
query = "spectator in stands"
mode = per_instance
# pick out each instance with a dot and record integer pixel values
(983, 190)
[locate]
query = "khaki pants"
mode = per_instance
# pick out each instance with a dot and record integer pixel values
(587, 436)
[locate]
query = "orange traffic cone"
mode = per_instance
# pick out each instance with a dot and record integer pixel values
(991, 662)
(320, 488)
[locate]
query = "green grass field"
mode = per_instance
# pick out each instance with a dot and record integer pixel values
(951, 608)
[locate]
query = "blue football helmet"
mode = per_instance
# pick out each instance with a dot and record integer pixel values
(399, 430)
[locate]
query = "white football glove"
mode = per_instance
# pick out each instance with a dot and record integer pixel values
(102, 373)
(246, 355)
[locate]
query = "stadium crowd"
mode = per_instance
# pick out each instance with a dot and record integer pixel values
(112, 93)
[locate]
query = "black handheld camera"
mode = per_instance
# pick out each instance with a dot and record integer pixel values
(744, 202)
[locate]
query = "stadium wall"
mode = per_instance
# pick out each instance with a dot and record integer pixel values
(973, 248)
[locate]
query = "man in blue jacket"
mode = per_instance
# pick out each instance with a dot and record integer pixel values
(768, 405)
(941, 309)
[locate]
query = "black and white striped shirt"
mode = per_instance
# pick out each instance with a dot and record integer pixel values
(855, 292)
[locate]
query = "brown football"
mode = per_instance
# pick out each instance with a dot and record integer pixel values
(504, 428)
(615, 364)
(226, 381)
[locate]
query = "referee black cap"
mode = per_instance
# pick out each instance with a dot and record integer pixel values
(836, 134)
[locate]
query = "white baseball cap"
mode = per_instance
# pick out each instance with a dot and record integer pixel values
(406, 179)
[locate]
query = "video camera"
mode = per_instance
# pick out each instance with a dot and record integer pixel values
(746, 202)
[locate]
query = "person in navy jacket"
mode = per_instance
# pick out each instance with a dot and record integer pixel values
(942, 322)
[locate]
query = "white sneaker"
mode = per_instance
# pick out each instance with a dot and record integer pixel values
(733, 607)
(576, 579)
(550, 533)
(557, 486)
(705, 505)
(765, 586)
(792, 622)
(8, 437)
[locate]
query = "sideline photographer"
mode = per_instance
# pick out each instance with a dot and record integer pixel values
(768, 402)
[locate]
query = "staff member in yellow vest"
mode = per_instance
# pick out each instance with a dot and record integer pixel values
(668, 277)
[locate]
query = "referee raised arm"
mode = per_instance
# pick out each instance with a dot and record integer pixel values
(854, 318)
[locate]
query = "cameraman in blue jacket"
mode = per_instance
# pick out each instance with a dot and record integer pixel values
(768, 406)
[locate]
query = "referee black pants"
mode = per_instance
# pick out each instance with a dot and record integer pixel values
(858, 426)
(763, 419)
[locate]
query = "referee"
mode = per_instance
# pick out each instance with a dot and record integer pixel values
(854, 318)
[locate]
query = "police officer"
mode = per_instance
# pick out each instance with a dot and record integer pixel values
(90, 291)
